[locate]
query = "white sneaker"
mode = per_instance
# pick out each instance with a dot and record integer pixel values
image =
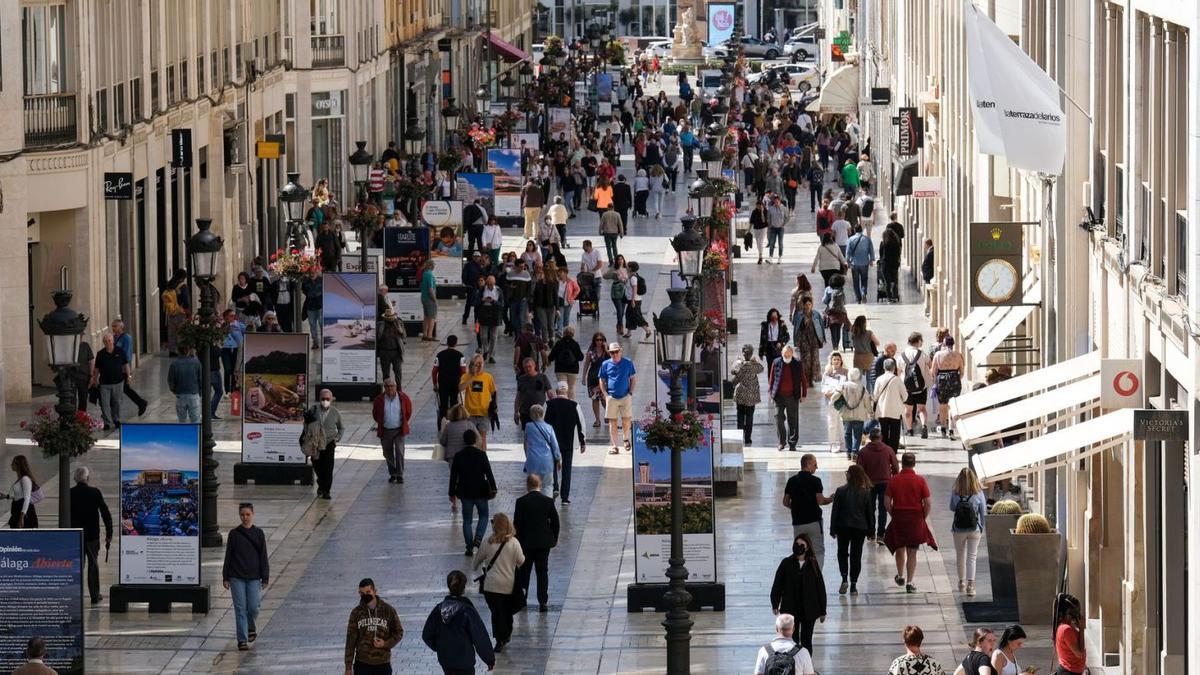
(971, 590)
(962, 585)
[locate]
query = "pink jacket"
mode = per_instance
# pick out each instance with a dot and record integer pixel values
(572, 290)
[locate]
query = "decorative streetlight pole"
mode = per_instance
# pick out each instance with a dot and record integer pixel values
(204, 249)
(450, 114)
(293, 196)
(63, 326)
(360, 163)
(676, 328)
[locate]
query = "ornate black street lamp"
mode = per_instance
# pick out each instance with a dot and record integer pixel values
(413, 136)
(482, 98)
(63, 326)
(204, 250)
(360, 164)
(676, 329)
(293, 196)
(450, 115)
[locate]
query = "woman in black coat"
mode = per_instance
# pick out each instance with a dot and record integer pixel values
(799, 590)
(889, 263)
(773, 335)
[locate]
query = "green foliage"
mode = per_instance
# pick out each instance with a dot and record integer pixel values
(653, 519)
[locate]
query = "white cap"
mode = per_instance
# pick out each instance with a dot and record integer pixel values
(562, 386)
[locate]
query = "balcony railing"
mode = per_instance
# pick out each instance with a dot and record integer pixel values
(50, 119)
(328, 51)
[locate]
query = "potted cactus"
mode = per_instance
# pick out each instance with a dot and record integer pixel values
(1037, 554)
(998, 526)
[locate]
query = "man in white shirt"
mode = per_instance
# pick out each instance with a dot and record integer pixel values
(915, 403)
(785, 625)
(557, 213)
(589, 261)
(841, 230)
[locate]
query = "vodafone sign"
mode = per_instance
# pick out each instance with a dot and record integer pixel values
(1122, 383)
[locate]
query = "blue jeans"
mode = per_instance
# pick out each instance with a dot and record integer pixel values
(859, 274)
(564, 316)
(774, 234)
(245, 594)
(314, 328)
(877, 492)
(517, 312)
(853, 435)
(187, 408)
(217, 391)
(480, 505)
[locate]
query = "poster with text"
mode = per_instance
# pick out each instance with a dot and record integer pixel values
(720, 23)
(353, 263)
(481, 186)
(532, 141)
(444, 218)
(604, 87)
(160, 504)
(348, 327)
(505, 167)
(275, 394)
(652, 510)
(405, 250)
(41, 595)
(560, 121)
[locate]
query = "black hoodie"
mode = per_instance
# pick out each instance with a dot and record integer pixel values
(455, 631)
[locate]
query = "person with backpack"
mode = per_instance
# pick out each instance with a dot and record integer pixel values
(816, 185)
(782, 656)
(916, 384)
(854, 406)
(969, 507)
(635, 291)
(799, 590)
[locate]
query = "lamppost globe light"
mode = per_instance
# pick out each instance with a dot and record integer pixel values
(525, 70)
(63, 326)
(360, 159)
(675, 330)
(689, 248)
(293, 195)
(507, 81)
(204, 250)
(450, 113)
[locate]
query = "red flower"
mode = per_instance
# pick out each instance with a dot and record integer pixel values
(24, 424)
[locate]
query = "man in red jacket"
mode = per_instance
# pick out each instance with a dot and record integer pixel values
(391, 410)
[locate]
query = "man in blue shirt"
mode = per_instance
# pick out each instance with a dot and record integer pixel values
(617, 380)
(124, 343)
(860, 253)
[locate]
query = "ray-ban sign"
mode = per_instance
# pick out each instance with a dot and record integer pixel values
(118, 186)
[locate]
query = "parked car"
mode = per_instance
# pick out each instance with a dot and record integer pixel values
(752, 46)
(801, 48)
(800, 76)
(659, 48)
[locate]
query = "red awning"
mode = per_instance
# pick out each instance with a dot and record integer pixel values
(505, 50)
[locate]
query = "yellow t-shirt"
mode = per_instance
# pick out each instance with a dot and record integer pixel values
(478, 394)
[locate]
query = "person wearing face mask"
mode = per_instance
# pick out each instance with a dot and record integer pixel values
(799, 590)
(371, 633)
(331, 421)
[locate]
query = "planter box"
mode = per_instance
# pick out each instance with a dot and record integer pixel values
(1037, 563)
(997, 527)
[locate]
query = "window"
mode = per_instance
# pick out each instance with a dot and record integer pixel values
(1119, 198)
(325, 19)
(44, 42)
(1181, 253)
(101, 111)
(1147, 222)
(119, 117)
(170, 84)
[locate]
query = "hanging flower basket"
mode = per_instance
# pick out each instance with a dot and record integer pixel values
(72, 436)
(294, 264)
(481, 137)
(200, 335)
(716, 260)
(665, 431)
(449, 161)
(407, 188)
(710, 330)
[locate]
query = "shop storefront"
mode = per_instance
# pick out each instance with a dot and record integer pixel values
(328, 144)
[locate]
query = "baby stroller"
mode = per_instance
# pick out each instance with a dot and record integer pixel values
(589, 300)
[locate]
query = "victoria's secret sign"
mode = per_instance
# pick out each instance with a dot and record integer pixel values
(118, 186)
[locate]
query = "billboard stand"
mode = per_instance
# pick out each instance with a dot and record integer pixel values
(160, 598)
(263, 473)
(640, 597)
(159, 519)
(41, 589)
(278, 393)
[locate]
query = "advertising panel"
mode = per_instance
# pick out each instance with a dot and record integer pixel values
(505, 166)
(445, 222)
(720, 23)
(604, 87)
(481, 186)
(348, 327)
(560, 121)
(652, 510)
(405, 250)
(41, 595)
(532, 141)
(274, 395)
(160, 504)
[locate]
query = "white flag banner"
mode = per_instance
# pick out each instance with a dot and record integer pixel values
(1016, 104)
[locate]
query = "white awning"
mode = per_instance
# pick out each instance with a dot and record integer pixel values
(839, 94)
(1090, 437)
(1052, 407)
(1043, 379)
(984, 328)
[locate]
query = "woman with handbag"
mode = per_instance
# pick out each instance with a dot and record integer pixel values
(24, 493)
(854, 406)
(829, 259)
(503, 556)
(831, 388)
(865, 343)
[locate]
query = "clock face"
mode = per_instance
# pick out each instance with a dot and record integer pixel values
(996, 280)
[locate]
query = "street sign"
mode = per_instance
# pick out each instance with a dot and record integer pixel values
(1160, 425)
(118, 186)
(181, 148)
